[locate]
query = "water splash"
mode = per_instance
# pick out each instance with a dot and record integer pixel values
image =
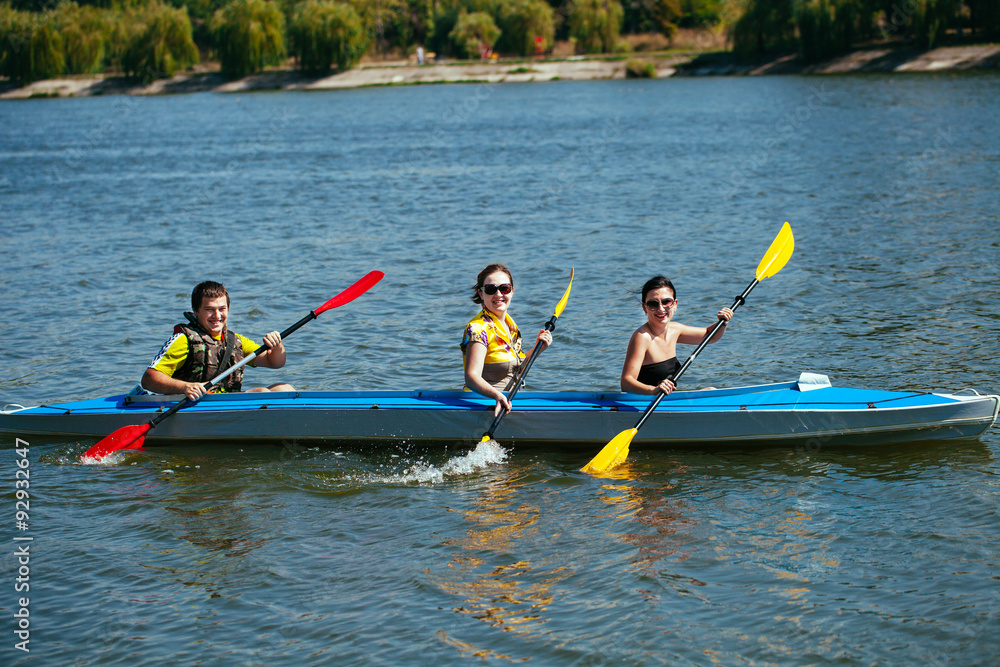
(114, 458)
(484, 455)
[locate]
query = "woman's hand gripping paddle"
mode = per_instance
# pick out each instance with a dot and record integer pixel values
(132, 437)
(550, 325)
(774, 259)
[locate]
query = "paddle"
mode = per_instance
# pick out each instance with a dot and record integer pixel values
(550, 326)
(132, 437)
(774, 259)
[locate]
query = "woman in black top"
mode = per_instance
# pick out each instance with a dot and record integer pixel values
(651, 358)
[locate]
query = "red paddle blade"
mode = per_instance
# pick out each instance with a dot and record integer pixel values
(352, 292)
(127, 437)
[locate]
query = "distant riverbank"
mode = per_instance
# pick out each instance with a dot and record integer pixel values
(948, 58)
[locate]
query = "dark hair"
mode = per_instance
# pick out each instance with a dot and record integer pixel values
(492, 268)
(656, 282)
(207, 290)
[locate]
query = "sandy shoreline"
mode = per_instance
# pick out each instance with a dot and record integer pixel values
(949, 58)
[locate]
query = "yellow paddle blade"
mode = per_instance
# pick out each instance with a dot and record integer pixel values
(613, 453)
(486, 438)
(778, 254)
(562, 301)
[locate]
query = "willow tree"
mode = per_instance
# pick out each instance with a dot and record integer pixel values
(596, 25)
(766, 25)
(31, 47)
(387, 20)
(522, 22)
(931, 19)
(157, 42)
(85, 33)
(323, 33)
(827, 28)
(473, 30)
(249, 36)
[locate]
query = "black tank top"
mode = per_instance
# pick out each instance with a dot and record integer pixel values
(654, 374)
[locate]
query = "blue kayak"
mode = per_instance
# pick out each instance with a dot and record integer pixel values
(808, 411)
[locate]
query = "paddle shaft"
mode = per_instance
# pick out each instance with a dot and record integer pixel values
(550, 326)
(232, 369)
(740, 300)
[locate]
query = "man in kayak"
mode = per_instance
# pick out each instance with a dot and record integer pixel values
(203, 347)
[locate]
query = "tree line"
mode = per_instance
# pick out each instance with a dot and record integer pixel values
(149, 39)
(820, 29)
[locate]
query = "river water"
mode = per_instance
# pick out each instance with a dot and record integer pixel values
(113, 208)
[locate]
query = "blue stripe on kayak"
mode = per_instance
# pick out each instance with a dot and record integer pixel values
(767, 397)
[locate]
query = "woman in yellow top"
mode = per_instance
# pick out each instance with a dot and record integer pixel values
(491, 346)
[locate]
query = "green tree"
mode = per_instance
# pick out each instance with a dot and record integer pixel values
(36, 6)
(421, 13)
(826, 27)
(867, 20)
(31, 48)
(701, 13)
(473, 30)
(85, 34)
(984, 17)
(154, 41)
(444, 22)
(667, 14)
(662, 16)
(766, 25)
(596, 25)
(931, 19)
(322, 33)
(249, 36)
(200, 12)
(520, 22)
(387, 20)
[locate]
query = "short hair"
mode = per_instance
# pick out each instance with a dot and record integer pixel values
(656, 282)
(207, 290)
(492, 268)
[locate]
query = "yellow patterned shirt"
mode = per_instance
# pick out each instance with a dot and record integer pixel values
(503, 351)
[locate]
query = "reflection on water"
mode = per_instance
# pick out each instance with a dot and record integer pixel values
(206, 523)
(226, 527)
(658, 523)
(485, 573)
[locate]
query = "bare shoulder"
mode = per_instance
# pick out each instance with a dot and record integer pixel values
(638, 345)
(641, 336)
(677, 329)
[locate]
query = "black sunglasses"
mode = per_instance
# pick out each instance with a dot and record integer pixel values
(653, 304)
(503, 288)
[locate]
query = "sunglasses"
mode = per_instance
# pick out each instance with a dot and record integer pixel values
(504, 288)
(653, 304)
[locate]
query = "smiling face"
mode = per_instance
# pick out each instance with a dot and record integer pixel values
(212, 314)
(660, 305)
(498, 302)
